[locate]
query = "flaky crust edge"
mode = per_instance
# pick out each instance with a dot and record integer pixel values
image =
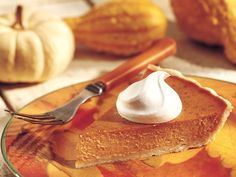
(229, 106)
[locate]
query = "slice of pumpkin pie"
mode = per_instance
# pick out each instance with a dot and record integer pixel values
(185, 116)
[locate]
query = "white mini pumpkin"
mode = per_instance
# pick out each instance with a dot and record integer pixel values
(34, 46)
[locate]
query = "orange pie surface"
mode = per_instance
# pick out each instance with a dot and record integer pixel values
(112, 138)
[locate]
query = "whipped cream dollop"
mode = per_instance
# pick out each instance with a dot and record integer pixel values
(150, 100)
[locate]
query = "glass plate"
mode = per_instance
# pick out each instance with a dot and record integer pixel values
(26, 147)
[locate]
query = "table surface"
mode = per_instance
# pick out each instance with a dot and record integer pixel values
(191, 58)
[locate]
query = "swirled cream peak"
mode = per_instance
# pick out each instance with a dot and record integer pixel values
(150, 100)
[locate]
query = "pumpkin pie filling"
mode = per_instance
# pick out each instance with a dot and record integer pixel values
(112, 138)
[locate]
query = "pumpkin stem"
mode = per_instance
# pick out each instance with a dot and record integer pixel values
(18, 23)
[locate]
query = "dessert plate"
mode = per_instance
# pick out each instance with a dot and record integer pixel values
(27, 148)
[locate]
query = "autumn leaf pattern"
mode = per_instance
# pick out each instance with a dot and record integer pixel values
(217, 159)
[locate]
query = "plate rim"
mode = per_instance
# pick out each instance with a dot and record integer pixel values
(3, 144)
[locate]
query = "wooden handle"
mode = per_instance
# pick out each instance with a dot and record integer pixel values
(159, 51)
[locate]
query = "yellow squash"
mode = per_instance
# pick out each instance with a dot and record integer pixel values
(34, 46)
(210, 21)
(122, 27)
